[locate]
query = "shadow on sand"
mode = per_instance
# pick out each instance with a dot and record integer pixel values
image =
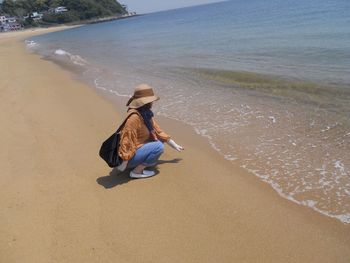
(116, 177)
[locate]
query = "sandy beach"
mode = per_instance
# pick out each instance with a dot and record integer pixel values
(60, 202)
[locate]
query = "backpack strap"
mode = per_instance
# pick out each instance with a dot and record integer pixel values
(127, 117)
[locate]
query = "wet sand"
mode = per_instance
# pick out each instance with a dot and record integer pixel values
(60, 202)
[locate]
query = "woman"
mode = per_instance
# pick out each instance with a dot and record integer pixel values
(142, 140)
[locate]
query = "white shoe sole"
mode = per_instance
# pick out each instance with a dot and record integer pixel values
(144, 174)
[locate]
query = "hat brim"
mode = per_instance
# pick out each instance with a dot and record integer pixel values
(137, 103)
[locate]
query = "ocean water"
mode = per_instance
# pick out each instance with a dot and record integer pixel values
(266, 82)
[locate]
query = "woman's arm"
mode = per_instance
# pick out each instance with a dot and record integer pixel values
(166, 138)
(161, 135)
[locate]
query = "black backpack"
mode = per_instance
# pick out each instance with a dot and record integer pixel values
(109, 148)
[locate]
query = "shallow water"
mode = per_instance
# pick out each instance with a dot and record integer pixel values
(266, 82)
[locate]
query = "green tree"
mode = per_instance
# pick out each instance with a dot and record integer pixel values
(41, 5)
(78, 9)
(8, 7)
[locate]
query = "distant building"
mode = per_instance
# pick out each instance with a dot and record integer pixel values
(11, 19)
(129, 14)
(60, 9)
(9, 24)
(2, 23)
(35, 16)
(2, 19)
(13, 26)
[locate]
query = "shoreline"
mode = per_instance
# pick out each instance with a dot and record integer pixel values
(72, 24)
(108, 19)
(31, 32)
(198, 209)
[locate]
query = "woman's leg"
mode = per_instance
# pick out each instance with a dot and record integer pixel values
(139, 169)
(146, 156)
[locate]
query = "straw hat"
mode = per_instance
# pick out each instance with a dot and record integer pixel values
(143, 95)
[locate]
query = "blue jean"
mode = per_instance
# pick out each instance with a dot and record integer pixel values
(147, 155)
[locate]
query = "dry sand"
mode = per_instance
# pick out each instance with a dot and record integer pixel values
(60, 203)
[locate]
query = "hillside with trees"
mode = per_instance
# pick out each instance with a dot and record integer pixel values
(77, 9)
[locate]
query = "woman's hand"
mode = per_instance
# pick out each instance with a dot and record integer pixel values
(174, 145)
(122, 166)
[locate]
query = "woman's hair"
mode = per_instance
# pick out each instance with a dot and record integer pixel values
(146, 106)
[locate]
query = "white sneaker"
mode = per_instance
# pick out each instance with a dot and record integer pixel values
(144, 174)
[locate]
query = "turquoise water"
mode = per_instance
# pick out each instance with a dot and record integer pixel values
(271, 77)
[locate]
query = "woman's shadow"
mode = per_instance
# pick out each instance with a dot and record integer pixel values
(116, 177)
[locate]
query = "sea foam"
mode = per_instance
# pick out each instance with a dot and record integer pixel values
(76, 59)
